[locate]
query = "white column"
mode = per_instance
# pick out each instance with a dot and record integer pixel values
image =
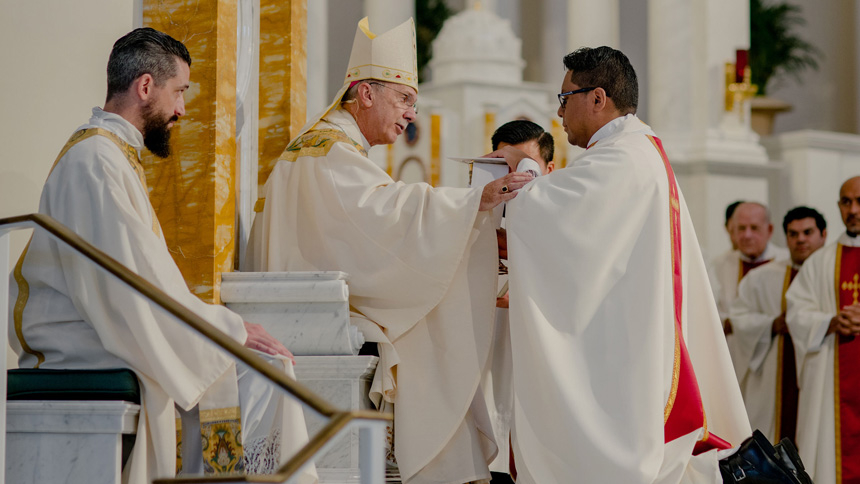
(317, 43)
(717, 158)
(247, 118)
(5, 268)
(386, 14)
(593, 24)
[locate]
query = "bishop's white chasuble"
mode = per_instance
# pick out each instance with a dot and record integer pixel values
(422, 265)
(621, 371)
(828, 421)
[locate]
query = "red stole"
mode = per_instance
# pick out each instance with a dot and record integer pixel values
(745, 267)
(684, 412)
(786, 376)
(846, 371)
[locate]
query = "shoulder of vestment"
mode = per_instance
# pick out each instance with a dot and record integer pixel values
(318, 143)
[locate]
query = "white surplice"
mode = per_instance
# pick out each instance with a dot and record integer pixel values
(422, 264)
(592, 325)
(725, 275)
(759, 302)
(80, 317)
(811, 303)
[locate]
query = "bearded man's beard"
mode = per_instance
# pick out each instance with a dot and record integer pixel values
(156, 134)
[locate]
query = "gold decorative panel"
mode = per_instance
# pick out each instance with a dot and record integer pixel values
(283, 78)
(193, 191)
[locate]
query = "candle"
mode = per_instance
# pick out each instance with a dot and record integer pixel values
(741, 61)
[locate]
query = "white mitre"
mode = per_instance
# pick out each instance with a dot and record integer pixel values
(389, 57)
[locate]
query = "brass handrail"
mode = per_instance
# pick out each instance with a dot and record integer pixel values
(338, 419)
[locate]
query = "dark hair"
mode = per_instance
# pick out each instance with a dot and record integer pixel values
(799, 213)
(730, 210)
(143, 51)
(522, 130)
(607, 68)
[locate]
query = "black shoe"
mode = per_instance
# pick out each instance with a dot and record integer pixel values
(756, 462)
(791, 460)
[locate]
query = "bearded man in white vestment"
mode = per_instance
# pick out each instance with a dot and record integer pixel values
(614, 329)
(70, 315)
(824, 320)
(764, 344)
(422, 261)
(750, 228)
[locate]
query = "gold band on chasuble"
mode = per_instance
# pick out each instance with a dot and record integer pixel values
(314, 144)
(23, 286)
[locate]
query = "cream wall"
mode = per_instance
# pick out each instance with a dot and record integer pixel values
(53, 62)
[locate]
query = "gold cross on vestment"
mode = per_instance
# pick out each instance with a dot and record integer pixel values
(853, 286)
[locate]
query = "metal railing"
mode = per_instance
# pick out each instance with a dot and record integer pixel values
(370, 423)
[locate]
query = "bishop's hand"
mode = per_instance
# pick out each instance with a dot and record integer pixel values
(503, 189)
(512, 156)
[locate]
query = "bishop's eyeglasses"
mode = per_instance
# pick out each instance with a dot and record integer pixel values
(562, 98)
(408, 101)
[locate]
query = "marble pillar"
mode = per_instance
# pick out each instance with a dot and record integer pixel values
(716, 155)
(193, 191)
(247, 118)
(593, 24)
(344, 381)
(283, 81)
(317, 41)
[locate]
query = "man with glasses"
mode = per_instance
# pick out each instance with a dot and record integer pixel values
(422, 261)
(618, 352)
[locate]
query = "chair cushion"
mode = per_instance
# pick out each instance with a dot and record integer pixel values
(39, 384)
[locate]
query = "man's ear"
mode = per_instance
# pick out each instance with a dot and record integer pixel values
(600, 99)
(365, 95)
(143, 86)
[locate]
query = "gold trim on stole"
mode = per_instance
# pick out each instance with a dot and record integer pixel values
(779, 356)
(836, 417)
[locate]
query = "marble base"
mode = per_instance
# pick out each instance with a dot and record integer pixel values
(307, 311)
(67, 441)
(345, 382)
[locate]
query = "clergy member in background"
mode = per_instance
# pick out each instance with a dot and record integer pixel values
(69, 314)
(751, 229)
(539, 145)
(422, 261)
(765, 352)
(824, 321)
(729, 225)
(618, 353)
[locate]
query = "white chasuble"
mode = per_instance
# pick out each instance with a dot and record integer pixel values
(593, 322)
(766, 361)
(811, 303)
(422, 264)
(71, 315)
(726, 272)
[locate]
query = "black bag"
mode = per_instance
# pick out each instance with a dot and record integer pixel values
(759, 462)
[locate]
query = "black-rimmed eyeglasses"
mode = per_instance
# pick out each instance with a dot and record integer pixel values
(562, 98)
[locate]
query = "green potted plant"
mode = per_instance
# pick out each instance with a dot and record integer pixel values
(776, 51)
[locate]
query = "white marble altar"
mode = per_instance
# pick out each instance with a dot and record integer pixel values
(344, 381)
(307, 311)
(67, 441)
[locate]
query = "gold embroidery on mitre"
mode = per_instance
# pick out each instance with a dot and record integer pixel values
(318, 143)
(389, 57)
